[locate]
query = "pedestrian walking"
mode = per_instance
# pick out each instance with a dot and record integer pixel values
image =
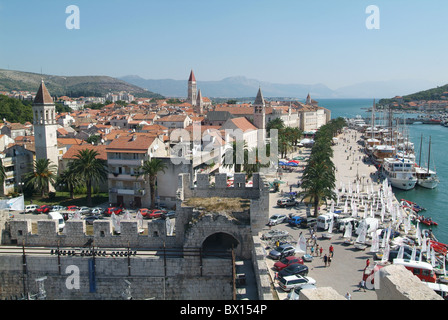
(325, 260)
(320, 251)
(348, 296)
(317, 249)
(312, 250)
(367, 263)
(329, 260)
(331, 249)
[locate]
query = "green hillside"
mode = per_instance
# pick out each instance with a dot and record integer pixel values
(431, 94)
(71, 86)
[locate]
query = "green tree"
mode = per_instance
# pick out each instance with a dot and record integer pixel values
(2, 174)
(90, 169)
(149, 169)
(70, 179)
(43, 174)
(239, 155)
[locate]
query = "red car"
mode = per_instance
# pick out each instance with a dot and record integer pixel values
(287, 261)
(110, 210)
(156, 213)
(144, 212)
(72, 208)
(43, 209)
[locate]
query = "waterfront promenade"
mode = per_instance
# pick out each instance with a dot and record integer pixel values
(346, 269)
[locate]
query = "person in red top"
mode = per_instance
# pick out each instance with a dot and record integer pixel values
(331, 250)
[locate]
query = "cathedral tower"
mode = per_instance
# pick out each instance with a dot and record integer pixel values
(45, 126)
(192, 90)
(260, 115)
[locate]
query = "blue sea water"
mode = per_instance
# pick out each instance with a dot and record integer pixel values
(434, 200)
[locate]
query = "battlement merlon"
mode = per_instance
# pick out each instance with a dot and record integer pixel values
(203, 188)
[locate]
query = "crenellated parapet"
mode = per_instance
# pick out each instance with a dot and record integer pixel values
(74, 234)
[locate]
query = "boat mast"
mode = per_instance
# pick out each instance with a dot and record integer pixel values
(420, 156)
(429, 153)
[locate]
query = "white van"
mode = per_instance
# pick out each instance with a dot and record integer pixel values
(323, 221)
(343, 223)
(59, 218)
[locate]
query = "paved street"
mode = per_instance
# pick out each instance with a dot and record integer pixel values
(346, 269)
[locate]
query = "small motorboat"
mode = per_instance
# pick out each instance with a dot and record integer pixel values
(412, 205)
(427, 221)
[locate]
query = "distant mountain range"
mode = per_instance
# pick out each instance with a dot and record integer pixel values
(71, 86)
(236, 87)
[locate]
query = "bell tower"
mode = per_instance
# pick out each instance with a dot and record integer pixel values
(45, 126)
(192, 90)
(260, 115)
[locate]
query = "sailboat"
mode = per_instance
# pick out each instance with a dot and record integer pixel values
(426, 177)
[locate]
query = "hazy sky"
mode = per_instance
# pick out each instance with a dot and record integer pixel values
(284, 41)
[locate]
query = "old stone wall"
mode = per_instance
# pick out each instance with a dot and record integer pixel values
(258, 193)
(149, 278)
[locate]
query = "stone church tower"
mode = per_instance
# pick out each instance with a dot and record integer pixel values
(260, 115)
(45, 126)
(192, 90)
(199, 107)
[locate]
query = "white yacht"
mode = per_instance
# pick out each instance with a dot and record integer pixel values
(400, 173)
(426, 178)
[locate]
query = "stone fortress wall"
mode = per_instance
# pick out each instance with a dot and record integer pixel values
(176, 277)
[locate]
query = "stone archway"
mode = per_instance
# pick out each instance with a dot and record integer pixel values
(219, 242)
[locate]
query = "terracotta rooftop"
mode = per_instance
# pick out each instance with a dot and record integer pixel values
(131, 144)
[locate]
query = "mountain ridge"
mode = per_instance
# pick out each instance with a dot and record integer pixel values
(68, 85)
(241, 86)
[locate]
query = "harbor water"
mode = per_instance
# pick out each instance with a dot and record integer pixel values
(435, 201)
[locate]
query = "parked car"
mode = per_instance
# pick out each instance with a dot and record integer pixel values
(84, 210)
(72, 208)
(31, 207)
(294, 269)
(144, 211)
(308, 222)
(286, 262)
(277, 219)
(292, 282)
(58, 208)
(43, 209)
(282, 251)
(90, 219)
(170, 214)
(287, 202)
(156, 213)
(295, 294)
(96, 211)
(295, 221)
(110, 210)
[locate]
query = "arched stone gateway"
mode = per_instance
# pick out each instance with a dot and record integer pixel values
(219, 242)
(218, 232)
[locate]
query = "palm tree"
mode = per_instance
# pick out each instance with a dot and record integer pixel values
(89, 168)
(44, 173)
(255, 157)
(151, 168)
(239, 159)
(318, 184)
(2, 174)
(69, 178)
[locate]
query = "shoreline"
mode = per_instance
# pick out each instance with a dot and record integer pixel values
(348, 264)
